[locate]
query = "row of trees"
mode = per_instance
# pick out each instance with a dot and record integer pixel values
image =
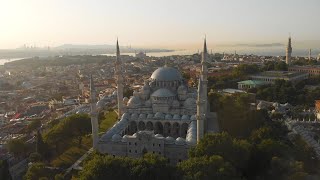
(284, 91)
(264, 155)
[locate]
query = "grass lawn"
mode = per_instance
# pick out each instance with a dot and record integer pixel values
(107, 121)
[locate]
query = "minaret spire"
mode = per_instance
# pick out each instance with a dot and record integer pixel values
(94, 114)
(288, 51)
(119, 77)
(202, 94)
(118, 50)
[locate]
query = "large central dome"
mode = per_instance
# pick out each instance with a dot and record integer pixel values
(166, 74)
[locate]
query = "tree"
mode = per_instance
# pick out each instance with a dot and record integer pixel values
(108, 167)
(213, 167)
(245, 69)
(75, 126)
(4, 170)
(41, 147)
(17, 146)
(36, 171)
(286, 169)
(35, 157)
(35, 124)
(237, 152)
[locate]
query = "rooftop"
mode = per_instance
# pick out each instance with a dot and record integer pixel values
(282, 74)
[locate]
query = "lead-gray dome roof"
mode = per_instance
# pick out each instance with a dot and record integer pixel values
(166, 74)
(163, 92)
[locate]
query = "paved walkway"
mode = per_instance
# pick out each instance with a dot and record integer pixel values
(78, 162)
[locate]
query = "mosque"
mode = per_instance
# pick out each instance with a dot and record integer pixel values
(165, 117)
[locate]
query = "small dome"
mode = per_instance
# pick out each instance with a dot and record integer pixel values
(182, 89)
(125, 138)
(166, 74)
(169, 140)
(116, 138)
(134, 116)
(168, 117)
(142, 116)
(134, 101)
(185, 117)
(125, 99)
(150, 116)
(176, 117)
(175, 103)
(158, 135)
(148, 103)
(193, 118)
(163, 92)
(180, 141)
(159, 115)
(190, 102)
(145, 88)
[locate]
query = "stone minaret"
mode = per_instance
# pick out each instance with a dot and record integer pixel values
(94, 114)
(309, 54)
(119, 78)
(288, 52)
(202, 95)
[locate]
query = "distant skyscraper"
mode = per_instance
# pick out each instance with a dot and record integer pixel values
(288, 52)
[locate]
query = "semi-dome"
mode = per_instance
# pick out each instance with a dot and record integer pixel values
(134, 101)
(166, 74)
(148, 103)
(163, 92)
(182, 89)
(175, 103)
(190, 102)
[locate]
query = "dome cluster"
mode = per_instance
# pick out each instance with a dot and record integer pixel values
(166, 74)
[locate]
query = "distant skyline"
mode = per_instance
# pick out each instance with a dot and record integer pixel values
(170, 24)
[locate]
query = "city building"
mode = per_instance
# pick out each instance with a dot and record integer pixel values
(248, 84)
(164, 117)
(141, 55)
(317, 109)
(312, 70)
(269, 77)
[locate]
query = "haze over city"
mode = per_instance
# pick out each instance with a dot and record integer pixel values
(159, 24)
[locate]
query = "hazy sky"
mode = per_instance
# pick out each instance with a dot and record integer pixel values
(156, 23)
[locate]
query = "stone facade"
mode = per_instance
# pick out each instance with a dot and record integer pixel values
(161, 118)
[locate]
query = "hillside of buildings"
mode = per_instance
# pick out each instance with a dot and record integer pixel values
(43, 93)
